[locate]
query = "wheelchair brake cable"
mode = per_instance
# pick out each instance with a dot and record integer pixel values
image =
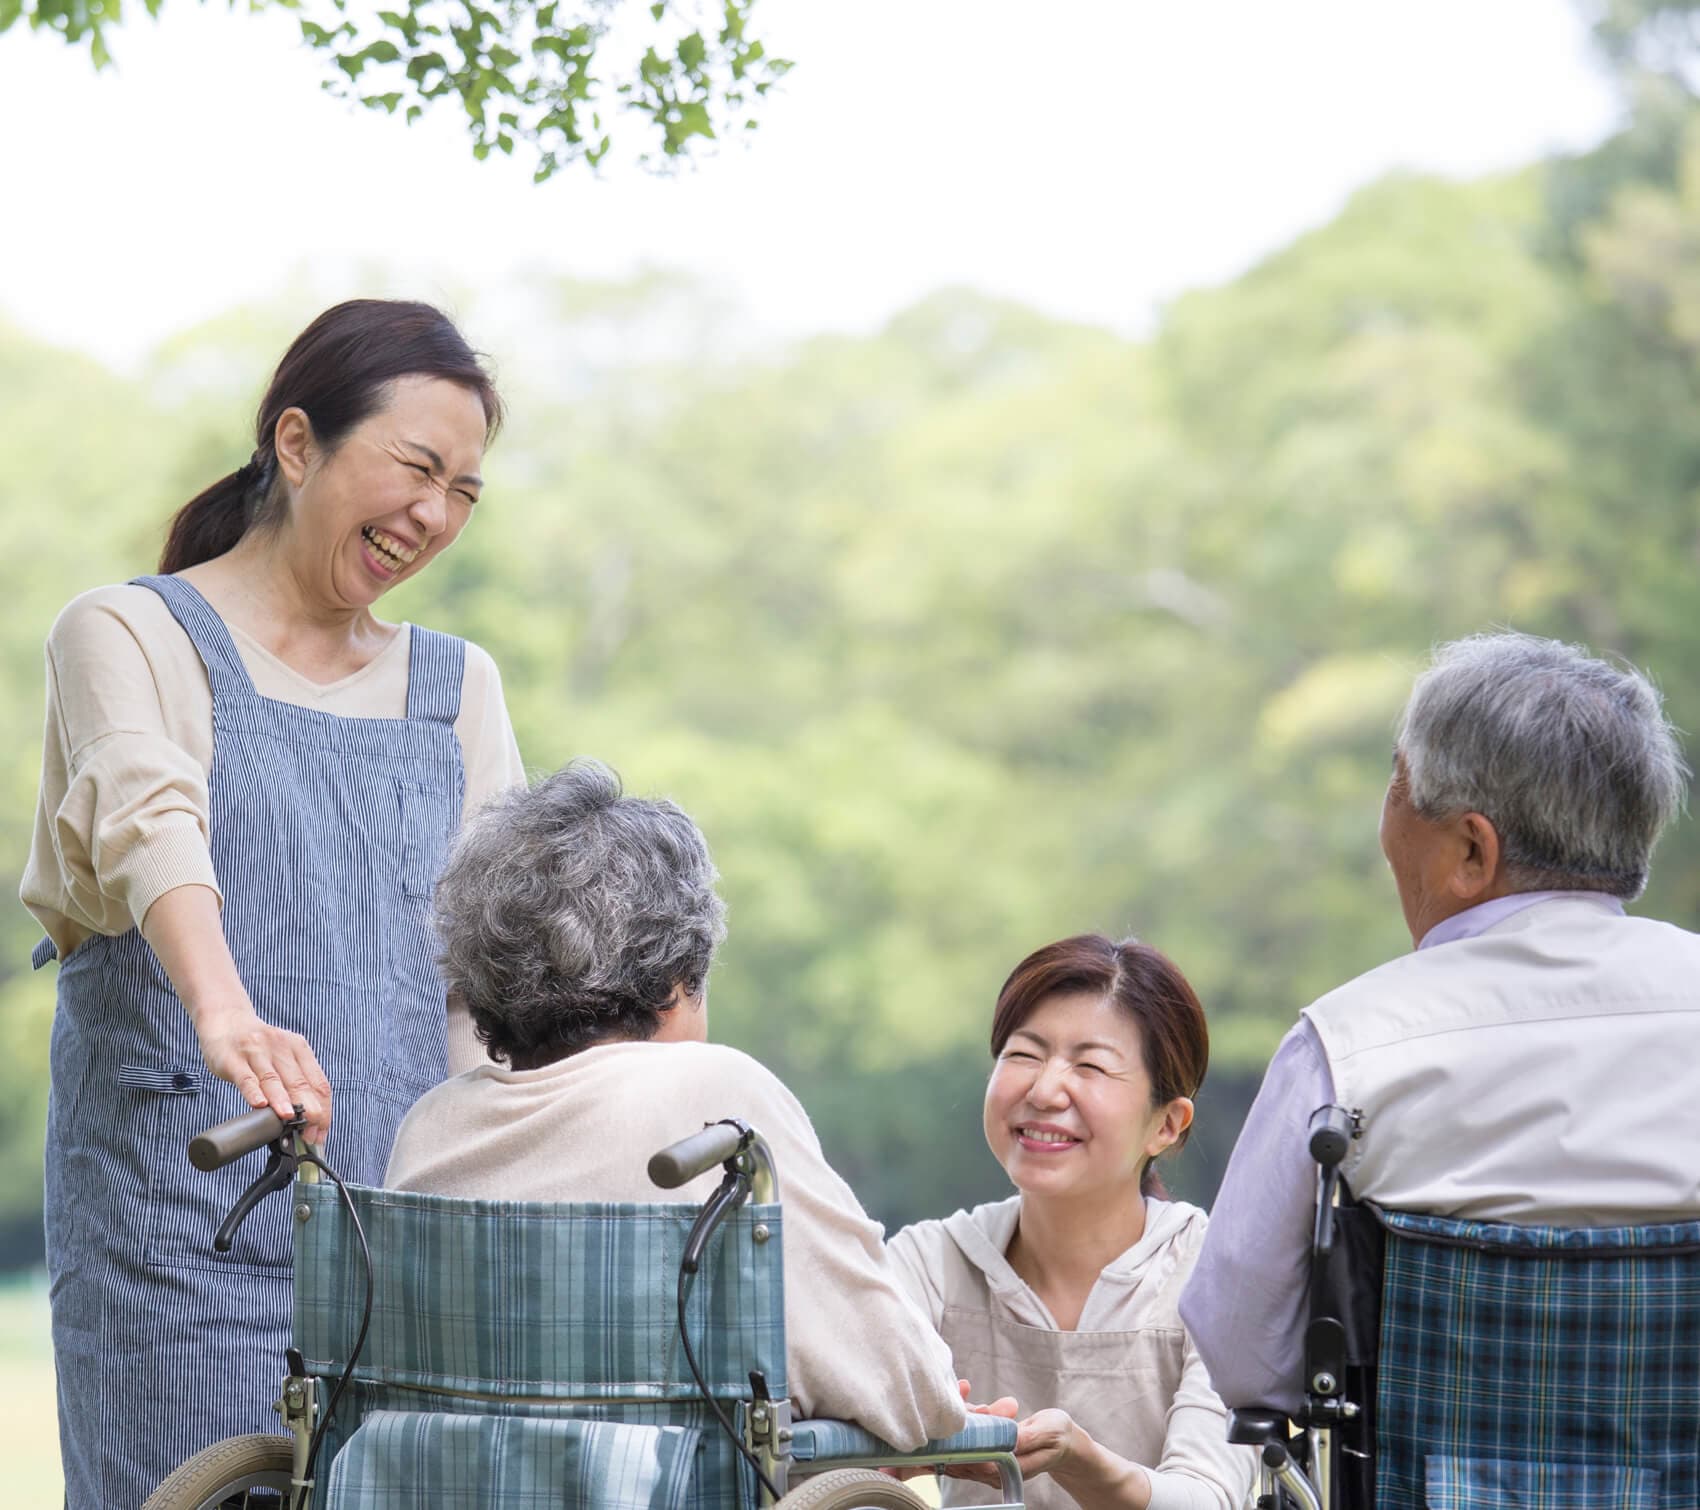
(723, 1199)
(365, 1318)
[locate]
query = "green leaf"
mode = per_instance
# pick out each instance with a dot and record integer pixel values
(692, 50)
(421, 64)
(658, 10)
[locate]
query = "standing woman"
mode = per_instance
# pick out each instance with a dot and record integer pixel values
(1064, 1296)
(249, 784)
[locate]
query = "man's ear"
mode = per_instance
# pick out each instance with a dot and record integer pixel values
(1477, 871)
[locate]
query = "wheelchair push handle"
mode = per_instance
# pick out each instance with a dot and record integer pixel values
(680, 1163)
(228, 1141)
(1330, 1135)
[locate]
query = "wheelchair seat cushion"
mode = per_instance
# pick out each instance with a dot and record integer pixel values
(407, 1460)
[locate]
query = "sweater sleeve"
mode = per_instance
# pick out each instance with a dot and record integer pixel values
(858, 1348)
(122, 814)
(914, 1261)
(1200, 1469)
(488, 746)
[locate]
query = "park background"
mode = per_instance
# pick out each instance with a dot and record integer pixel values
(989, 518)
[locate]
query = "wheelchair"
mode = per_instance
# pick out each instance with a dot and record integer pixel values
(457, 1353)
(1479, 1365)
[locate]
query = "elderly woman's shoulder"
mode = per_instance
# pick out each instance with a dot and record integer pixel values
(722, 1063)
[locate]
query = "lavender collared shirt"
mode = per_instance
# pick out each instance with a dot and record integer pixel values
(1247, 1301)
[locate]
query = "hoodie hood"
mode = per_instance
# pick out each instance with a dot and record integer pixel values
(1173, 1231)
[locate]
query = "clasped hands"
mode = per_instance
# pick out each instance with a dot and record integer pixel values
(1044, 1441)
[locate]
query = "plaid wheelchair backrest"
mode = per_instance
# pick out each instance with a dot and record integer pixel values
(557, 1314)
(1540, 1368)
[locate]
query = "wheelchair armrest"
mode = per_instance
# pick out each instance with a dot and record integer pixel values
(822, 1441)
(1256, 1427)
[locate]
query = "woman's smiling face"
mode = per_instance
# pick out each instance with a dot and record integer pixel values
(391, 497)
(1068, 1108)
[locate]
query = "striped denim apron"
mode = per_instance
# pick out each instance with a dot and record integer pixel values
(327, 837)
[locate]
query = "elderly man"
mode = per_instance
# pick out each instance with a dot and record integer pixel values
(1533, 1060)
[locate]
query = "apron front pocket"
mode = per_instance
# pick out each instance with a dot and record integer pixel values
(185, 1205)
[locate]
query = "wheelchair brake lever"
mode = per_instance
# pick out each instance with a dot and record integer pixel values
(282, 1163)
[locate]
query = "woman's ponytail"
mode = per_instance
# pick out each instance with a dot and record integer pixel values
(213, 520)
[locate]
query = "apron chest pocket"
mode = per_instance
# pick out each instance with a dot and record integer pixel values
(427, 820)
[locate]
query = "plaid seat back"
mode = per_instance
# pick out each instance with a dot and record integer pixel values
(1540, 1368)
(555, 1311)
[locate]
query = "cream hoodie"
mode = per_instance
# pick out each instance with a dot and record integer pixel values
(1128, 1373)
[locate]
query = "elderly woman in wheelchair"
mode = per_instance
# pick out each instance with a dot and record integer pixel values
(513, 1321)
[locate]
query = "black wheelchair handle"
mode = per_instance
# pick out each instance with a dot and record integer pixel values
(1330, 1134)
(219, 1145)
(680, 1163)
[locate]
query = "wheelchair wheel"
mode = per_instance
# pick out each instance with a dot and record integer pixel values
(851, 1489)
(239, 1473)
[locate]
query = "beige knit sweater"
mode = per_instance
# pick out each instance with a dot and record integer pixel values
(583, 1130)
(122, 815)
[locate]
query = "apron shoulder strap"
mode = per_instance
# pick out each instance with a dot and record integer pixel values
(226, 673)
(436, 667)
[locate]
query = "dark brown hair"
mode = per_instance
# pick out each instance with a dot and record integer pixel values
(337, 372)
(1145, 983)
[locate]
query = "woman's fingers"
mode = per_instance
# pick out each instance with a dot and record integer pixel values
(269, 1066)
(306, 1084)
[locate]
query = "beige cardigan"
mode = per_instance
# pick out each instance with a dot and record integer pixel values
(122, 814)
(583, 1129)
(1128, 1373)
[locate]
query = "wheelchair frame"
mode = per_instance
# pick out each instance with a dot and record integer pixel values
(767, 1428)
(1336, 1426)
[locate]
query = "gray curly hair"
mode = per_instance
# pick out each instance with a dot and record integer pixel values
(568, 913)
(1570, 758)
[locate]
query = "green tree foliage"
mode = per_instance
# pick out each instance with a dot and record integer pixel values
(551, 75)
(988, 628)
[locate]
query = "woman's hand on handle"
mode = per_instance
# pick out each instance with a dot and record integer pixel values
(269, 1066)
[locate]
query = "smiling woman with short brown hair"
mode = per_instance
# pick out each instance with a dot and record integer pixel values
(1063, 1296)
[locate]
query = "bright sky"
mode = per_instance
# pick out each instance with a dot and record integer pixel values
(1089, 157)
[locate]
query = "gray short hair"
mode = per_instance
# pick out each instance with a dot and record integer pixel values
(1570, 758)
(568, 913)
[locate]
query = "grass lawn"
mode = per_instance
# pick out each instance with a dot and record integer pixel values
(29, 1434)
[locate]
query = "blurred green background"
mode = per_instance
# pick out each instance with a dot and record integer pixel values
(987, 628)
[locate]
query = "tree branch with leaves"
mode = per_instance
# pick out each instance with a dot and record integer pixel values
(555, 76)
